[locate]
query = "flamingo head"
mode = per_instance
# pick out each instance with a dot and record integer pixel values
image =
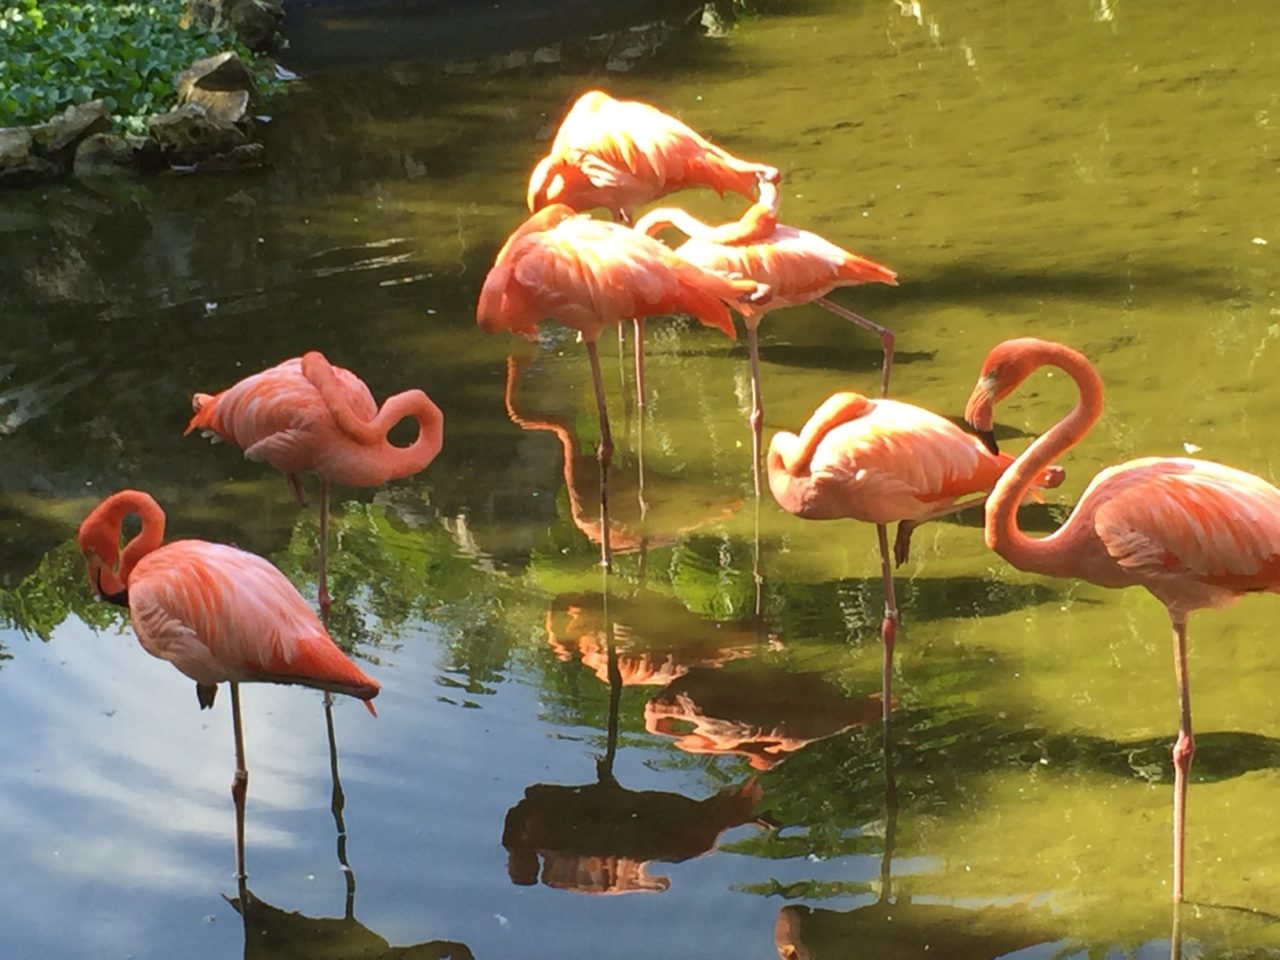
(1006, 366)
(553, 181)
(101, 551)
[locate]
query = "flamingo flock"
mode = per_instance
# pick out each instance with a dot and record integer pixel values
(1195, 534)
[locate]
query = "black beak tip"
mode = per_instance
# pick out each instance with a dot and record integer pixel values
(988, 439)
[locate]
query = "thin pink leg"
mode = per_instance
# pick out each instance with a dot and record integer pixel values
(884, 333)
(889, 626)
(295, 485)
(902, 542)
(1183, 751)
(638, 346)
(239, 785)
(605, 454)
(325, 600)
(757, 405)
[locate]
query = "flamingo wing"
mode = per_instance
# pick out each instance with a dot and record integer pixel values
(218, 613)
(1172, 518)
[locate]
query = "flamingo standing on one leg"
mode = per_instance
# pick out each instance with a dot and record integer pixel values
(216, 613)
(1195, 533)
(307, 415)
(621, 154)
(883, 461)
(798, 267)
(590, 274)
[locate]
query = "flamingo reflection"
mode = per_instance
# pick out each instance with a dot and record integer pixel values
(762, 713)
(627, 529)
(272, 933)
(599, 838)
(656, 639)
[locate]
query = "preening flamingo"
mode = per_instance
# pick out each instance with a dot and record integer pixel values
(621, 154)
(591, 274)
(307, 415)
(797, 266)
(883, 461)
(1194, 533)
(216, 613)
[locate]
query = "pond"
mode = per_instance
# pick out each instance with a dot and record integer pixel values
(674, 759)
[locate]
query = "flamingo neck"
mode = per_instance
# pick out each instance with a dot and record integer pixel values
(112, 517)
(797, 454)
(1002, 533)
(757, 224)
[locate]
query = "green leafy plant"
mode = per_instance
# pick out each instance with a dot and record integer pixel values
(55, 54)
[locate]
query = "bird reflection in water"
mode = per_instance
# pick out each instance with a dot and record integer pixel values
(895, 928)
(600, 838)
(763, 713)
(271, 933)
(631, 529)
(655, 638)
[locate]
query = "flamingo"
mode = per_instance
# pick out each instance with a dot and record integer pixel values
(1196, 534)
(590, 274)
(621, 154)
(216, 613)
(306, 415)
(883, 461)
(798, 266)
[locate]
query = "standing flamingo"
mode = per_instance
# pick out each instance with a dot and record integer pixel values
(621, 154)
(798, 267)
(307, 415)
(590, 274)
(1196, 534)
(216, 613)
(883, 461)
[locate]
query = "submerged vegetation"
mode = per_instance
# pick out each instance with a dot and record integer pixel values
(55, 53)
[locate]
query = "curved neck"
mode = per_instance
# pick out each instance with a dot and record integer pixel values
(837, 409)
(401, 461)
(758, 223)
(110, 516)
(568, 442)
(1002, 533)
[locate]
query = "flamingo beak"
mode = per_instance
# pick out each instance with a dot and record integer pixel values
(980, 412)
(120, 599)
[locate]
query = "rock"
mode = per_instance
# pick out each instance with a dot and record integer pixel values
(103, 155)
(58, 139)
(247, 156)
(18, 163)
(222, 83)
(255, 22)
(189, 134)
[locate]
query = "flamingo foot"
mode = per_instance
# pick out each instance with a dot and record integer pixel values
(902, 542)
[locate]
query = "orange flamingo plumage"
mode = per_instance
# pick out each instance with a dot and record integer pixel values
(591, 274)
(1196, 534)
(797, 266)
(216, 613)
(621, 154)
(306, 415)
(884, 461)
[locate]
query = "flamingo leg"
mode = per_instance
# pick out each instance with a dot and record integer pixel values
(902, 542)
(295, 485)
(1183, 750)
(604, 453)
(325, 600)
(638, 347)
(337, 803)
(239, 785)
(889, 626)
(757, 404)
(884, 333)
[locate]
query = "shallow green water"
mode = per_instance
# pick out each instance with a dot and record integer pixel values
(1104, 174)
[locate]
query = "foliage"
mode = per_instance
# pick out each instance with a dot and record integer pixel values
(55, 54)
(55, 590)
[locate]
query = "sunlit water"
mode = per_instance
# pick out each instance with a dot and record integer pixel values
(1102, 173)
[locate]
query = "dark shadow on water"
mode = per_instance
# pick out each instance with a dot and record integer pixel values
(843, 353)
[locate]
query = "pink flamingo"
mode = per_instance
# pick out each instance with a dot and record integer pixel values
(306, 415)
(216, 613)
(591, 274)
(883, 461)
(1194, 533)
(621, 154)
(797, 266)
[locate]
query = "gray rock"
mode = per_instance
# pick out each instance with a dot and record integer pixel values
(255, 22)
(190, 134)
(58, 139)
(222, 83)
(103, 155)
(18, 162)
(248, 156)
